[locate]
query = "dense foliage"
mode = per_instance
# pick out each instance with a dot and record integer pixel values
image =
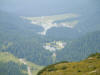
(81, 48)
(20, 38)
(9, 65)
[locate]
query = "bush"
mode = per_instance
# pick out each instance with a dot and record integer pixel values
(79, 70)
(52, 69)
(64, 67)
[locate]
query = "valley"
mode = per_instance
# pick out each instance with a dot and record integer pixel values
(19, 39)
(63, 35)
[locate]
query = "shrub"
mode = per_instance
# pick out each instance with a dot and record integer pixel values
(52, 69)
(64, 67)
(79, 70)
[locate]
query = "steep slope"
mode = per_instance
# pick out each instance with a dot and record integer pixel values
(10, 65)
(89, 66)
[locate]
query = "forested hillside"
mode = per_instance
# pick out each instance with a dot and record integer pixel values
(80, 48)
(10, 65)
(19, 37)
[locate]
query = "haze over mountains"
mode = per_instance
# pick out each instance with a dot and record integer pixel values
(49, 31)
(20, 38)
(47, 22)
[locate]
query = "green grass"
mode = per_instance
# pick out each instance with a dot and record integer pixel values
(89, 66)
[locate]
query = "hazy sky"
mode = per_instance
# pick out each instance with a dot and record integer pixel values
(45, 7)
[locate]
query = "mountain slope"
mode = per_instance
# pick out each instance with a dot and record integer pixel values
(10, 65)
(89, 66)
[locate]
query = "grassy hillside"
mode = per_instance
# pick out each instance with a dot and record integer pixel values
(10, 65)
(89, 66)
